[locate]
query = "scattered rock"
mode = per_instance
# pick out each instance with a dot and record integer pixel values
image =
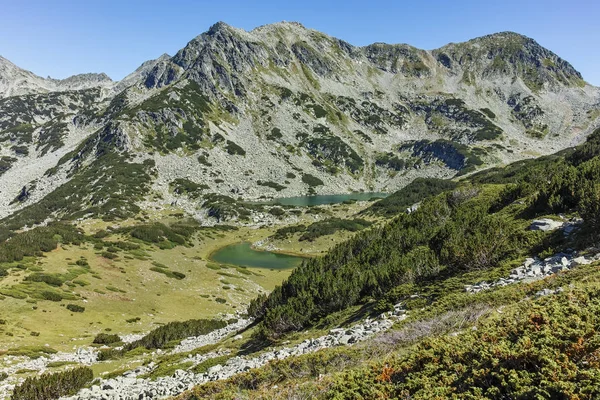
(128, 387)
(534, 269)
(545, 224)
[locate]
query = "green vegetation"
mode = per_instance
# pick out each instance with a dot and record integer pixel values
(107, 188)
(189, 106)
(516, 355)
(224, 207)
(75, 308)
(489, 113)
(275, 134)
(162, 335)
(31, 351)
(51, 135)
(371, 115)
(273, 185)
(414, 192)
(168, 273)
(6, 163)
(311, 180)
(187, 187)
(234, 149)
(518, 342)
(321, 228)
(451, 233)
(105, 338)
(36, 241)
(332, 152)
(390, 160)
(310, 77)
(331, 226)
(474, 124)
(454, 155)
(537, 134)
(469, 228)
(287, 231)
(53, 386)
(165, 237)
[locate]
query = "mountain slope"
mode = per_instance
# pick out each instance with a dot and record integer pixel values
(15, 81)
(503, 340)
(275, 107)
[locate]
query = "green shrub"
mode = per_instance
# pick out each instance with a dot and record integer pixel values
(277, 211)
(311, 180)
(234, 149)
(185, 186)
(105, 338)
(75, 308)
(52, 280)
(53, 386)
(331, 226)
(160, 336)
(510, 356)
(211, 362)
(272, 185)
(34, 241)
(287, 231)
(168, 273)
(109, 255)
(52, 296)
(31, 351)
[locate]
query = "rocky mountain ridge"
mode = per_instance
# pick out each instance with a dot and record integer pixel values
(15, 81)
(283, 110)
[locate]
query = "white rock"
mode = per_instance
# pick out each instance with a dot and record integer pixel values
(545, 224)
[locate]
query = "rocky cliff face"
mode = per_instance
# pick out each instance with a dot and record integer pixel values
(283, 110)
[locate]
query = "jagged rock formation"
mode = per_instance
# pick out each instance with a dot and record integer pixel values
(282, 110)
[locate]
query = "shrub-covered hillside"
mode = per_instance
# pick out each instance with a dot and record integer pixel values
(533, 340)
(504, 344)
(479, 225)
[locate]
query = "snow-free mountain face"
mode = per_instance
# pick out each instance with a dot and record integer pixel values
(15, 81)
(281, 110)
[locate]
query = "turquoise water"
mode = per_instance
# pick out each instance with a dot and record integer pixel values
(243, 255)
(321, 199)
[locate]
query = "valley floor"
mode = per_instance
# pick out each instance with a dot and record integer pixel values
(128, 293)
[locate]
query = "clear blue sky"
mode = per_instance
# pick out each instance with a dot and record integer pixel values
(61, 37)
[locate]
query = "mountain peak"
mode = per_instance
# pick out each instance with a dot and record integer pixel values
(218, 27)
(509, 54)
(87, 77)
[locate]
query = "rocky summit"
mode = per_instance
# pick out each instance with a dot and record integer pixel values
(279, 111)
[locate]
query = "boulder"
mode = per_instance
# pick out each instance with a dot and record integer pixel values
(545, 224)
(581, 260)
(346, 339)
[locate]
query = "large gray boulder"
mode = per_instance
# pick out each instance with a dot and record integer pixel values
(545, 224)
